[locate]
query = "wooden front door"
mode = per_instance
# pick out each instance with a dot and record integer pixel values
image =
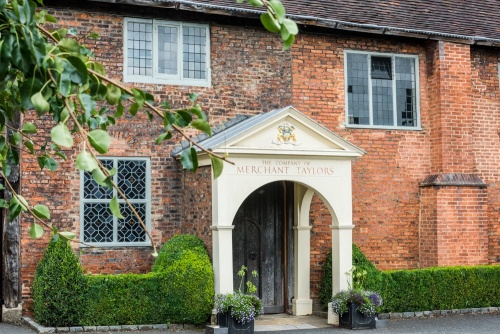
(263, 241)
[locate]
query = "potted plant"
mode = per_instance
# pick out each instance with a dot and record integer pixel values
(238, 310)
(356, 306)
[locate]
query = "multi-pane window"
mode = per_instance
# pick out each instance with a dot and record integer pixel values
(381, 90)
(98, 225)
(167, 52)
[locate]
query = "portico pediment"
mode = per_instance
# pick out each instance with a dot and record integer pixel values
(283, 131)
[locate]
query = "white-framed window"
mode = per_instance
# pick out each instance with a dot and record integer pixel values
(98, 226)
(166, 52)
(382, 90)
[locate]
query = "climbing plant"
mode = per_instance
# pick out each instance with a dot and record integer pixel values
(50, 72)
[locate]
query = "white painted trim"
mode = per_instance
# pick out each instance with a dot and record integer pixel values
(157, 78)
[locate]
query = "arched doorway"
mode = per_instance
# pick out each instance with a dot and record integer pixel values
(263, 241)
(281, 145)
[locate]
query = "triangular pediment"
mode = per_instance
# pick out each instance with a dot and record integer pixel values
(283, 131)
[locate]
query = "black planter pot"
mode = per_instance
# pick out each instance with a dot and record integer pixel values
(353, 319)
(234, 327)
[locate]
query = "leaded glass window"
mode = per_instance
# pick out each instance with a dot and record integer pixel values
(158, 51)
(99, 226)
(381, 90)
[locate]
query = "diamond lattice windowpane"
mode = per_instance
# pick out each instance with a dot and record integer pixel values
(129, 228)
(91, 190)
(98, 223)
(132, 178)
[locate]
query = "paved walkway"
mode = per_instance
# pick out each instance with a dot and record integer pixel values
(460, 324)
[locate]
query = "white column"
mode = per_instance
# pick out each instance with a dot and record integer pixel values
(222, 257)
(341, 255)
(302, 303)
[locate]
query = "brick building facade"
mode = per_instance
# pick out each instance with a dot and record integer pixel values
(427, 194)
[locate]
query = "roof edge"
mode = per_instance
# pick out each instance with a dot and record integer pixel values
(311, 20)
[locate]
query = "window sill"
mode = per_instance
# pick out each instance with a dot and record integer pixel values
(382, 127)
(157, 81)
(90, 245)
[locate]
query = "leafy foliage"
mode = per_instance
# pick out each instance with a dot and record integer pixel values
(59, 287)
(181, 293)
(52, 73)
(441, 288)
(174, 248)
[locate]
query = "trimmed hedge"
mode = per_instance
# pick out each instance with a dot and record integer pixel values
(173, 249)
(59, 287)
(182, 292)
(440, 288)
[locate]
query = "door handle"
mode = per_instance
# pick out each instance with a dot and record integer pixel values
(253, 256)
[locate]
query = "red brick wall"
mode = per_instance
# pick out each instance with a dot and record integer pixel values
(459, 103)
(485, 131)
(385, 180)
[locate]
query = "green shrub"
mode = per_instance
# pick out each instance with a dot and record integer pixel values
(441, 288)
(59, 287)
(172, 250)
(183, 292)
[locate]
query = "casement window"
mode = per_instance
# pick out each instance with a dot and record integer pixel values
(166, 52)
(381, 90)
(98, 225)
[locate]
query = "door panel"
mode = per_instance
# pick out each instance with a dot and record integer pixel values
(258, 243)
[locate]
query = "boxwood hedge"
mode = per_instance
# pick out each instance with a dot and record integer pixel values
(181, 292)
(439, 288)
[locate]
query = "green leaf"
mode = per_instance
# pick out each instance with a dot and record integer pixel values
(51, 164)
(202, 126)
(69, 44)
(41, 211)
(193, 97)
(291, 26)
(36, 231)
(16, 138)
(85, 161)
(28, 128)
(189, 159)
(217, 166)
(270, 23)
(278, 8)
(67, 235)
(133, 109)
(100, 178)
(29, 145)
(256, 3)
(288, 43)
(139, 97)
(198, 112)
(119, 110)
(163, 136)
(100, 140)
(3, 204)
(113, 94)
(115, 208)
(81, 73)
(41, 105)
(88, 104)
(61, 136)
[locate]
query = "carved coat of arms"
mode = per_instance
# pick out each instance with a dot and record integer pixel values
(286, 135)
